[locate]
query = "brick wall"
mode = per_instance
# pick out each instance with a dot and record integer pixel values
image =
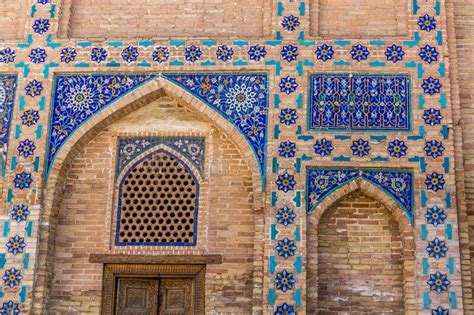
(12, 19)
(356, 266)
(464, 24)
(359, 18)
(163, 18)
(226, 218)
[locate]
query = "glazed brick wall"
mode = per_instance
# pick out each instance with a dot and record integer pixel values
(359, 18)
(85, 209)
(357, 267)
(12, 19)
(464, 23)
(163, 18)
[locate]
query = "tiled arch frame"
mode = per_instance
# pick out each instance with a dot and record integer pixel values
(140, 97)
(129, 103)
(406, 231)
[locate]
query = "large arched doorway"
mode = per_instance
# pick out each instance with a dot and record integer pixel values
(360, 263)
(82, 212)
(359, 254)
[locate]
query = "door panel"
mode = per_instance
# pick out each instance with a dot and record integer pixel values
(176, 296)
(137, 296)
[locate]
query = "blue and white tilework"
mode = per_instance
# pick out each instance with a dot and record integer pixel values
(191, 148)
(398, 184)
(359, 102)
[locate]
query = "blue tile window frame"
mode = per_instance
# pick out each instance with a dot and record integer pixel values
(119, 204)
(312, 107)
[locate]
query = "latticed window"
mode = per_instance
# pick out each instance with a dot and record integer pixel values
(158, 203)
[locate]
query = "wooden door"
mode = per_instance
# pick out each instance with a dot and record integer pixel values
(176, 296)
(137, 296)
(161, 296)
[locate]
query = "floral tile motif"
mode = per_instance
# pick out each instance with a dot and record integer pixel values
(323, 147)
(439, 311)
(320, 182)
(427, 23)
(286, 182)
(242, 99)
(19, 212)
(79, 97)
(359, 102)
(290, 22)
(288, 116)
(435, 216)
(130, 148)
(23, 180)
(285, 216)
(286, 248)
(12, 277)
(10, 307)
(285, 309)
(8, 84)
(437, 248)
(284, 281)
(16, 245)
(438, 282)
(397, 148)
(432, 116)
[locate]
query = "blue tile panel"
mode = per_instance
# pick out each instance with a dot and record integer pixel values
(8, 84)
(398, 184)
(191, 148)
(242, 99)
(358, 102)
(79, 97)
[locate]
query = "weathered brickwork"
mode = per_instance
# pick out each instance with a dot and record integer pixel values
(464, 28)
(276, 89)
(361, 19)
(12, 19)
(180, 18)
(226, 219)
(357, 264)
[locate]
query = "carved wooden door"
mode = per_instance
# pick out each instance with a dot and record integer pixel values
(176, 296)
(137, 296)
(163, 296)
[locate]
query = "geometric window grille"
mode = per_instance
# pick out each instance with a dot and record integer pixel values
(158, 203)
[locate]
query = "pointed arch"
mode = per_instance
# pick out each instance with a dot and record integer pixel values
(163, 147)
(132, 101)
(406, 229)
(136, 99)
(398, 184)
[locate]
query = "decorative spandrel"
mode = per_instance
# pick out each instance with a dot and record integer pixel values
(359, 102)
(79, 97)
(191, 148)
(241, 98)
(398, 184)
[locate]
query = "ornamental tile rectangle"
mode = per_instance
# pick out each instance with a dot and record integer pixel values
(190, 147)
(8, 84)
(398, 184)
(359, 102)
